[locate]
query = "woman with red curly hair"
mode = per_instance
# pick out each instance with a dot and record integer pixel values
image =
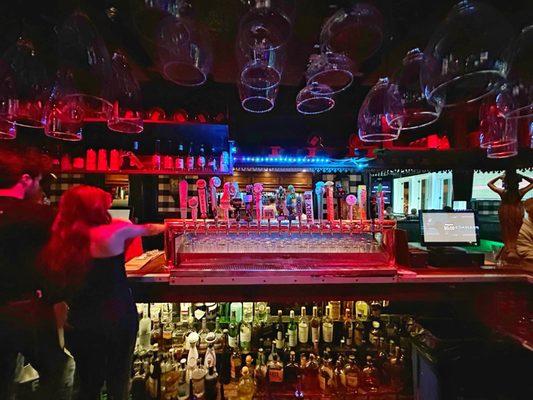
(86, 257)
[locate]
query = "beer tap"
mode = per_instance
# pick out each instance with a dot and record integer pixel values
(308, 203)
(319, 193)
(361, 195)
(236, 203)
(248, 205)
(330, 208)
(299, 212)
(201, 186)
(351, 200)
(281, 206)
(183, 194)
(193, 204)
(225, 203)
(214, 183)
(258, 200)
(291, 205)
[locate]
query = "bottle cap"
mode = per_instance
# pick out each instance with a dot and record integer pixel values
(261, 350)
(248, 359)
(245, 371)
(375, 324)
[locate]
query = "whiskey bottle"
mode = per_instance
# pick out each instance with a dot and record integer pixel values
(183, 381)
(189, 159)
(246, 387)
(280, 332)
(303, 328)
(352, 375)
(168, 329)
(224, 360)
(310, 373)
(275, 372)
(335, 310)
(327, 327)
(369, 376)
(211, 383)
(153, 383)
(198, 379)
(260, 372)
(236, 364)
(292, 331)
(325, 375)
(179, 161)
(292, 369)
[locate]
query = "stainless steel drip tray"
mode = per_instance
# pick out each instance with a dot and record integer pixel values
(281, 271)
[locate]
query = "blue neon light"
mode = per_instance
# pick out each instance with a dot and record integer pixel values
(285, 160)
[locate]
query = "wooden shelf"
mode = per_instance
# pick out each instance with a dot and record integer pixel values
(143, 172)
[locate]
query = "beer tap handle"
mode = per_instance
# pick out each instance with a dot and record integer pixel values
(258, 197)
(183, 194)
(193, 204)
(329, 201)
(319, 192)
(214, 183)
(201, 186)
(351, 200)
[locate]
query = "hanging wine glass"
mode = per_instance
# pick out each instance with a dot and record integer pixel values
(406, 106)
(356, 32)
(126, 113)
(515, 97)
(8, 130)
(315, 98)
(30, 84)
(257, 100)
(331, 69)
(465, 58)
(183, 51)
(372, 122)
(261, 39)
(504, 143)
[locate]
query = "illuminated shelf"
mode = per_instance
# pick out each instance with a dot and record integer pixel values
(143, 172)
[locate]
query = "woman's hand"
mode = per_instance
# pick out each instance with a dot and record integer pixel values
(154, 229)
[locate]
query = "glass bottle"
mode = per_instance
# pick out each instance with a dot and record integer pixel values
(245, 336)
(224, 360)
(145, 328)
(179, 161)
(200, 159)
(237, 307)
(170, 379)
(246, 387)
(190, 327)
(218, 334)
(275, 371)
(203, 334)
(156, 157)
(268, 330)
(369, 376)
(210, 355)
(168, 329)
(375, 310)
(359, 333)
(315, 326)
(236, 364)
(198, 379)
(153, 383)
(292, 331)
(303, 327)
(375, 333)
(168, 160)
(310, 373)
(189, 159)
(211, 382)
(248, 361)
(338, 382)
(280, 332)
(325, 375)
(212, 160)
(292, 369)
(192, 356)
(335, 310)
(233, 331)
(348, 327)
(352, 375)
(183, 381)
(327, 327)
(397, 370)
(260, 372)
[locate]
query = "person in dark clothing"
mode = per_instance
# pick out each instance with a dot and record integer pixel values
(86, 253)
(27, 320)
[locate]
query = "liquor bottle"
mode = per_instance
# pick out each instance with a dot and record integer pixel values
(327, 327)
(338, 383)
(369, 376)
(212, 160)
(200, 159)
(310, 373)
(248, 361)
(138, 384)
(303, 328)
(153, 383)
(168, 329)
(134, 161)
(168, 160)
(248, 311)
(245, 336)
(375, 311)
(203, 334)
(236, 364)
(189, 159)
(352, 375)
(375, 333)
(211, 383)
(397, 370)
(156, 157)
(183, 381)
(198, 379)
(157, 331)
(233, 331)
(218, 334)
(268, 329)
(325, 375)
(179, 161)
(260, 372)
(210, 355)
(272, 351)
(348, 327)
(192, 357)
(246, 387)
(237, 307)
(224, 359)
(315, 326)
(169, 380)
(292, 369)
(292, 331)
(190, 328)
(335, 310)
(145, 328)
(359, 333)
(362, 310)
(275, 371)
(280, 332)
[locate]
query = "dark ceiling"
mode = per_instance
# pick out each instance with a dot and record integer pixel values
(408, 24)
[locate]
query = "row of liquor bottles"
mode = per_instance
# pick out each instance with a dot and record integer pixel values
(170, 157)
(374, 361)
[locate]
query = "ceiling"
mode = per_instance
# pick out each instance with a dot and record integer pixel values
(408, 24)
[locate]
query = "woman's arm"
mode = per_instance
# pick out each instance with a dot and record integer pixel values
(493, 187)
(523, 191)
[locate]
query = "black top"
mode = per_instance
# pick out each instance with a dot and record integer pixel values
(104, 296)
(24, 230)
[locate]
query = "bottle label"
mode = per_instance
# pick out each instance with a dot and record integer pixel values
(168, 163)
(179, 163)
(275, 375)
(232, 341)
(303, 333)
(280, 341)
(200, 161)
(198, 387)
(324, 379)
(315, 335)
(373, 339)
(293, 338)
(189, 162)
(212, 164)
(327, 331)
(235, 369)
(156, 162)
(246, 337)
(352, 381)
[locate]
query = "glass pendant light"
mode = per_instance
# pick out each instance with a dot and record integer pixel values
(371, 121)
(406, 106)
(331, 69)
(465, 57)
(504, 143)
(257, 100)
